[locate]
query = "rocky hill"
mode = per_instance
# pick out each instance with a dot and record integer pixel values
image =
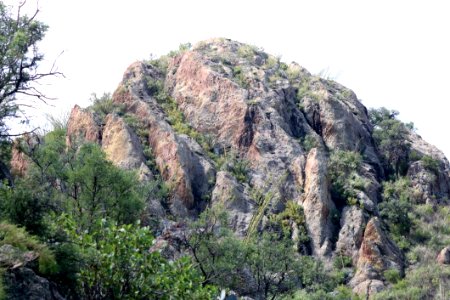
(224, 123)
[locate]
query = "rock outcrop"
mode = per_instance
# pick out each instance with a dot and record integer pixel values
(444, 256)
(431, 178)
(19, 162)
(229, 193)
(82, 127)
(221, 101)
(317, 203)
(20, 281)
(351, 233)
(180, 160)
(376, 255)
(245, 102)
(123, 148)
(340, 118)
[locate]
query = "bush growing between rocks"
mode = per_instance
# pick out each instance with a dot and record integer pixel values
(390, 136)
(343, 169)
(430, 163)
(17, 237)
(104, 105)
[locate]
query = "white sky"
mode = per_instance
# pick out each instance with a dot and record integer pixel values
(391, 53)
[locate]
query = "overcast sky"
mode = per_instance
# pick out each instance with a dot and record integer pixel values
(391, 53)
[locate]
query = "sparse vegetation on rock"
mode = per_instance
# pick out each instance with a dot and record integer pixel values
(220, 167)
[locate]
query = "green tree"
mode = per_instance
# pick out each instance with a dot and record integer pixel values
(390, 137)
(118, 262)
(98, 189)
(396, 208)
(19, 61)
(265, 266)
(80, 182)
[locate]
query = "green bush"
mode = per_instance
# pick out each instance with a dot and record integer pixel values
(293, 73)
(395, 213)
(181, 49)
(430, 281)
(224, 259)
(161, 63)
(239, 168)
(81, 182)
(17, 237)
(305, 89)
(247, 51)
(390, 136)
(271, 62)
(343, 169)
(239, 77)
(293, 215)
(309, 142)
(118, 262)
(392, 275)
(430, 163)
(395, 210)
(104, 105)
(342, 261)
(154, 87)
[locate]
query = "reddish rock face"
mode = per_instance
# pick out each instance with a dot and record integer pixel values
(444, 256)
(317, 203)
(186, 171)
(19, 162)
(212, 103)
(82, 127)
(376, 254)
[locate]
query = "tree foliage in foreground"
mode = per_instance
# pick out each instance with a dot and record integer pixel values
(19, 61)
(266, 266)
(118, 262)
(80, 182)
(100, 251)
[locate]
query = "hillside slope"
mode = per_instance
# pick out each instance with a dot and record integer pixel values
(225, 123)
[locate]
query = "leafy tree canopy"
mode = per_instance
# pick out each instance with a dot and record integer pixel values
(19, 60)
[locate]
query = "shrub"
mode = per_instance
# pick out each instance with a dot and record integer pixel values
(118, 262)
(104, 105)
(392, 275)
(238, 167)
(396, 205)
(161, 63)
(154, 88)
(293, 215)
(390, 136)
(247, 51)
(430, 163)
(430, 281)
(181, 49)
(271, 62)
(309, 142)
(342, 261)
(17, 237)
(343, 169)
(293, 72)
(239, 77)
